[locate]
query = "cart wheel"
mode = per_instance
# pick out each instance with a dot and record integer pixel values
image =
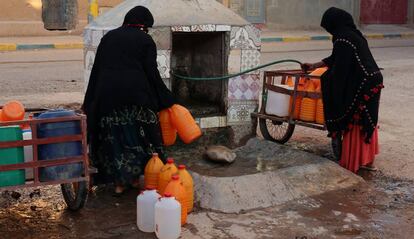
(75, 194)
(276, 131)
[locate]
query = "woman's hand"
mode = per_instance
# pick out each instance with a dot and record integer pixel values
(312, 66)
(307, 67)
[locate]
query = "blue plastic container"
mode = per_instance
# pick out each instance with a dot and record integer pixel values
(59, 150)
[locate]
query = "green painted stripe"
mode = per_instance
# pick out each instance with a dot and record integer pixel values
(34, 46)
(320, 38)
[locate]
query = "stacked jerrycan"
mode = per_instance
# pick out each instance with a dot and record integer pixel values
(166, 172)
(152, 171)
(146, 209)
(176, 189)
(167, 217)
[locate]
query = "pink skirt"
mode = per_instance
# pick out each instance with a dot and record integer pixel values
(357, 153)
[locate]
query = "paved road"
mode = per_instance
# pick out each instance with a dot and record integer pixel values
(55, 77)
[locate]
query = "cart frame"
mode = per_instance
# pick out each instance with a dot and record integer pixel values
(71, 196)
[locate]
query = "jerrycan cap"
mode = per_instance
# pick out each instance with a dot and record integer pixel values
(175, 177)
(167, 195)
(181, 167)
(155, 154)
(150, 188)
(170, 160)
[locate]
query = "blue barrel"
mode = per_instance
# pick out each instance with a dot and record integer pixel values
(59, 150)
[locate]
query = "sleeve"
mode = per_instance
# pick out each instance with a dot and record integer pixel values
(90, 94)
(163, 94)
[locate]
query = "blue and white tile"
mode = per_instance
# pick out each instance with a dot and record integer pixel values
(163, 62)
(203, 28)
(223, 28)
(162, 37)
(234, 61)
(239, 111)
(181, 29)
(244, 38)
(250, 59)
(96, 37)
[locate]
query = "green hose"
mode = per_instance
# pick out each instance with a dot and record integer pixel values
(238, 74)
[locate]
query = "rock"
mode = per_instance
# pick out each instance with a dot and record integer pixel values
(35, 193)
(220, 154)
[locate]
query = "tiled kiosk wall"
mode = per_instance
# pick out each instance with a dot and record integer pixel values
(243, 91)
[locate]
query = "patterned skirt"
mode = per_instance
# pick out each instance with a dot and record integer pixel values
(126, 140)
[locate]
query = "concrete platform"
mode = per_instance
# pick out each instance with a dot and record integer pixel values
(264, 174)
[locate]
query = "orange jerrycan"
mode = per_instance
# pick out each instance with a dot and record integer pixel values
(152, 171)
(308, 106)
(183, 121)
(298, 102)
(13, 111)
(169, 133)
(319, 71)
(320, 117)
(176, 188)
(188, 183)
(167, 171)
(289, 81)
(1, 115)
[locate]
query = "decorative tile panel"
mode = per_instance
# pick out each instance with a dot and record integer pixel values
(244, 38)
(96, 37)
(245, 87)
(162, 37)
(213, 122)
(89, 60)
(167, 82)
(239, 111)
(234, 62)
(250, 59)
(203, 28)
(87, 37)
(223, 28)
(163, 61)
(181, 29)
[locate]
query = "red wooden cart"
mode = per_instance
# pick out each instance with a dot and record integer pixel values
(74, 190)
(280, 129)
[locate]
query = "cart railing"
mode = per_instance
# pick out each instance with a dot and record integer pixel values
(35, 142)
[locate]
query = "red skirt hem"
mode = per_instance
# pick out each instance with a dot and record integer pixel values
(355, 151)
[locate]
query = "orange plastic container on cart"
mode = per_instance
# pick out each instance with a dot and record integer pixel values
(319, 71)
(176, 188)
(183, 121)
(166, 172)
(320, 117)
(152, 171)
(13, 111)
(188, 184)
(169, 133)
(308, 106)
(1, 115)
(298, 103)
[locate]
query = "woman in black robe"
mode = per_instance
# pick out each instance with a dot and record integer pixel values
(351, 91)
(124, 94)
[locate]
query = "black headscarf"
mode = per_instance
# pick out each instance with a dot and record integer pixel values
(352, 85)
(139, 15)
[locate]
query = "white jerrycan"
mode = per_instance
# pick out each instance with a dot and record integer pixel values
(145, 210)
(167, 218)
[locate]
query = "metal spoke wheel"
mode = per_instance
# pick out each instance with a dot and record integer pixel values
(75, 194)
(276, 131)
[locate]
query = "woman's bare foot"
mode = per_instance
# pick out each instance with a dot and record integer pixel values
(119, 190)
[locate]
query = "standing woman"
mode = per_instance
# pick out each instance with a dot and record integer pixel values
(124, 94)
(351, 92)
